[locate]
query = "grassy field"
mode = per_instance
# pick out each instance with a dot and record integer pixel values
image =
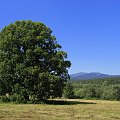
(69, 110)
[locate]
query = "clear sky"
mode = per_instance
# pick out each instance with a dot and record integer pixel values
(89, 30)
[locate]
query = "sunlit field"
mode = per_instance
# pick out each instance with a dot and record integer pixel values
(67, 110)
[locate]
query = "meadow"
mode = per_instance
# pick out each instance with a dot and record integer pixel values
(74, 109)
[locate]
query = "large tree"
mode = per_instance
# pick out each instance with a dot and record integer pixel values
(32, 63)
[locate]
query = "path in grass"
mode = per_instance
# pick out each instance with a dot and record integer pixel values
(70, 110)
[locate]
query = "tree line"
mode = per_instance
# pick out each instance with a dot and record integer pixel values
(105, 88)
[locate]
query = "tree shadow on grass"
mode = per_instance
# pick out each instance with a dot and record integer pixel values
(63, 102)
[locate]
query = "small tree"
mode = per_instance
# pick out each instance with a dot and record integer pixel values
(32, 63)
(116, 92)
(68, 92)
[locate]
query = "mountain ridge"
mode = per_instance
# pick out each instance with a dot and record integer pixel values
(90, 75)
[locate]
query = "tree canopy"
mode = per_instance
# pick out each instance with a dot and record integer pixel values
(32, 64)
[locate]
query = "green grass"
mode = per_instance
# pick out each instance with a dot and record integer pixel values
(67, 110)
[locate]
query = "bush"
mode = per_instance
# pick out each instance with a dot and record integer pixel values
(4, 99)
(17, 98)
(68, 92)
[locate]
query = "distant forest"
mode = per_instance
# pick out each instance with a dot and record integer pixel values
(107, 89)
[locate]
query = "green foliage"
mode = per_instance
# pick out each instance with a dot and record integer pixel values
(90, 92)
(4, 99)
(111, 92)
(17, 98)
(32, 64)
(107, 88)
(68, 92)
(81, 93)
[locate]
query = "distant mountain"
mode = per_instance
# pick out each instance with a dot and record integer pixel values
(91, 75)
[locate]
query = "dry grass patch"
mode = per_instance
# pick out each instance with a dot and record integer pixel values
(69, 110)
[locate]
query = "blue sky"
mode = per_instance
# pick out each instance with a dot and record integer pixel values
(89, 30)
